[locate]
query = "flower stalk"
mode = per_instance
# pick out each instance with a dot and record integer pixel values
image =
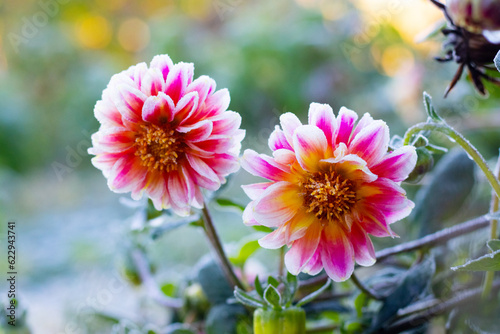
(462, 141)
(494, 206)
(214, 239)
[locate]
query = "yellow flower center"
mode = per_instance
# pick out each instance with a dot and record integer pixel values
(159, 147)
(328, 195)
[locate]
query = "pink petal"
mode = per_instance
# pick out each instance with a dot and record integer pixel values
(337, 253)
(351, 167)
(363, 123)
(153, 82)
(398, 164)
(226, 123)
(127, 174)
(197, 132)
(345, 124)
(363, 247)
(247, 216)
(156, 188)
(203, 175)
(106, 161)
(371, 143)
(254, 191)
(179, 190)
(277, 140)
(113, 140)
(303, 249)
(289, 122)
(178, 79)
(185, 107)
(314, 266)
(374, 222)
(284, 156)
(217, 143)
(300, 223)
(275, 239)
(215, 104)
(204, 86)
(263, 166)
(277, 204)
(224, 164)
(310, 145)
(163, 63)
(129, 102)
(322, 116)
(158, 109)
(138, 72)
(107, 114)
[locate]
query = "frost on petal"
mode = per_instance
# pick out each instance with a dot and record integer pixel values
(337, 253)
(398, 164)
(179, 77)
(107, 114)
(198, 132)
(345, 125)
(215, 104)
(289, 122)
(248, 218)
(362, 245)
(226, 123)
(351, 167)
(371, 143)
(163, 63)
(310, 144)
(303, 249)
(263, 166)
(284, 156)
(158, 109)
(156, 188)
(314, 266)
(129, 102)
(374, 222)
(300, 224)
(185, 107)
(277, 140)
(153, 82)
(277, 204)
(322, 116)
(114, 140)
(204, 86)
(366, 120)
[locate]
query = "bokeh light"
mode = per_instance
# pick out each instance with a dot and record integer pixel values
(93, 31)
(134, 34)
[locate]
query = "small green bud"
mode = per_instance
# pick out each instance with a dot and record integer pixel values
(288, 321)
(195, 298)
(425, 162)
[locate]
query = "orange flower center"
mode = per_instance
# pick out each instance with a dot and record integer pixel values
(159, 147)
(328, 195)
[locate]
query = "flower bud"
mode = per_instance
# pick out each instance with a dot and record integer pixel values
(288, 321)
(425, 162)
(475, 15)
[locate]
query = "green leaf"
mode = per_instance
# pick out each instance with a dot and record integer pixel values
(273, 281)
(228, 204)
(213, 281)
(246, 250)
(309, 298)
(151, 212)
(488, 262)
(169, 289)
(494, 245)
(452, 181)
(291, 285)
(414, 283)
(167, 225)
(429, 108)
(264, 229)
(258, 286)
(360, 302)
(272, 297)
(497, 61)
(246, 299)
(420, 141)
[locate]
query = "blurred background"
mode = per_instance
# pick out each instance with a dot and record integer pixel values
(56, 57)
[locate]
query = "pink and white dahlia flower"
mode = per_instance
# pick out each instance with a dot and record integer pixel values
(165, 135)
(331, 183)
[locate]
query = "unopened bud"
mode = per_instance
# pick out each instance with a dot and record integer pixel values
(288, 321)
(475, 15)
(425, 162)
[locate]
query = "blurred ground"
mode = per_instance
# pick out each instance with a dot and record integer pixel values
(56, 56)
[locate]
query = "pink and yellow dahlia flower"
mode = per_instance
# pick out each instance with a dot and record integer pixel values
(332, 183)
(165, 135)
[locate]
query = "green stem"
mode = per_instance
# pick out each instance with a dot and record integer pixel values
(494, 205)
(217, 246)
(462, 141)
(366, 290)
